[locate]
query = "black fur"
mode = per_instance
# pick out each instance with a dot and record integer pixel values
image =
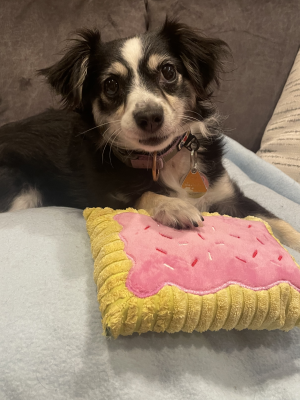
(240, 206)
(202, 57)
(49, 153)
(66, 75)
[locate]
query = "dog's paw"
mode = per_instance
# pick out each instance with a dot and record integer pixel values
(178, 214)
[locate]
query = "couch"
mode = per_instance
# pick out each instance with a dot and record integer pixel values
(51, 342)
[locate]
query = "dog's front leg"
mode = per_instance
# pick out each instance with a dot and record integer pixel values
(170, 211)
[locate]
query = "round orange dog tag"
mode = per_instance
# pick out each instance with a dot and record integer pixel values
(195, 184)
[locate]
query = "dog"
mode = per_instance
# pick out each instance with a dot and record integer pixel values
(138, 119)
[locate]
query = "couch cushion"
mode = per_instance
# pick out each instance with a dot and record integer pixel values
(281, 141)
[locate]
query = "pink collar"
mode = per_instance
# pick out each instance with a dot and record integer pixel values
(145, 160)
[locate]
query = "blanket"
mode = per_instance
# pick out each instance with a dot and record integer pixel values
(51, 341)
(261, 172)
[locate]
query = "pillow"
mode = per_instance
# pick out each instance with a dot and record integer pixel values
(230, 273)
(280, 144)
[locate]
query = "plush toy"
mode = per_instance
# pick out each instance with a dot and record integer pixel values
(230, 273)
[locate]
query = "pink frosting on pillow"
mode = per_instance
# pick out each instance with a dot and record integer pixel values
(224, 251)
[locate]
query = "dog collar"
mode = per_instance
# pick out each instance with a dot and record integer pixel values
(156, 160)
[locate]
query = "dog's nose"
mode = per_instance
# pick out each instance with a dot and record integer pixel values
(149, 119)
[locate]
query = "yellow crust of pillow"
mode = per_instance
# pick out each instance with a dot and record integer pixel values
(171, 309)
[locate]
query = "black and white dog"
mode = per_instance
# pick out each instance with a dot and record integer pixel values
(129, 103)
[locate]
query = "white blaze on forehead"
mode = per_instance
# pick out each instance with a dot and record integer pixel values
(132, 52)
(139, 95)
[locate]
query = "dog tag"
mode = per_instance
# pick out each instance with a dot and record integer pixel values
(195, 184)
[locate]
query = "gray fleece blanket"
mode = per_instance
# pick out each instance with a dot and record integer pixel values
(51, 345)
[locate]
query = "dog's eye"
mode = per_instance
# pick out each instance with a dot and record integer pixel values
(169, 72)
(111, 87)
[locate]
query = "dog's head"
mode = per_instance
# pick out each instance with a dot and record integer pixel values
(144, 91)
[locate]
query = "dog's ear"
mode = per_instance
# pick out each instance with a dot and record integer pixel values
(68, 75)
(202, 57)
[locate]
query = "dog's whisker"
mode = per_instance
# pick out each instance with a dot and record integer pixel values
(116, 134)
(190, 119)
(183, 128)
(187, 117)
(106, 143)
(98, 126)
(194, 112)
(110, 139)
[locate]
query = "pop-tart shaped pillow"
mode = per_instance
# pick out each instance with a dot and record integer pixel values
(229, 274)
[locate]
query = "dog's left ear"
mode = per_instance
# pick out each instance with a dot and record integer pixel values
(202, 57)
(69, 75)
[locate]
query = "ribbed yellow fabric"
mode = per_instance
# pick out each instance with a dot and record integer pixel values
(172, 309)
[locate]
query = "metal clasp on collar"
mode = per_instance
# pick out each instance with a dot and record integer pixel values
(194, 148)
(189, 141)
